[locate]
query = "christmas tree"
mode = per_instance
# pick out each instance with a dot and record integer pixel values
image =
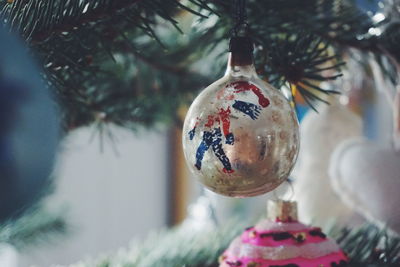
(127, 62)
(136, 63)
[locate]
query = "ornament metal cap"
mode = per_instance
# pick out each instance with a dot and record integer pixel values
(282, 211)
(241, 44)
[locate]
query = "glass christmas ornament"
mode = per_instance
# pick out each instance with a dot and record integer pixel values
(281, 240)
(29, 129)
(240, 135)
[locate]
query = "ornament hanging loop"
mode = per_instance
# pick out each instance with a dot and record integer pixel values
(288, 195)
(241, 46)
(240, 17)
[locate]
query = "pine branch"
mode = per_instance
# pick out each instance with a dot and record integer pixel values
(78, 41)
(87, 15)
(366, 246)
(33, 227)
(38, 20)
(369, 244)
(180, 246)
(341, 24)
(80, 44)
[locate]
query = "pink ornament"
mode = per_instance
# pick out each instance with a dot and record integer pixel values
(283, 241)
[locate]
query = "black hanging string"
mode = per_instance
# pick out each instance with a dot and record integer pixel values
(240, 42)
(239, 16)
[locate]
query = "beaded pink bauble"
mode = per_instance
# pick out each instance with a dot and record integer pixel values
(283, 241)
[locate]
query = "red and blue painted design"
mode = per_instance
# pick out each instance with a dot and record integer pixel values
(221, 119)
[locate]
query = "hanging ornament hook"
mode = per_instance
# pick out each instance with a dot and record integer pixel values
(288, 195)
(240, 43)
(240, 17)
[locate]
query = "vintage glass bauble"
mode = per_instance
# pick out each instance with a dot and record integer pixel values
(241, 135)
(29, 129)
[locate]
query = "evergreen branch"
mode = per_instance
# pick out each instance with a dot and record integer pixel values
(39, 20)
(185, 246)
(308, 64)
(76, 41)
(369, 244)
(33, 227)
(79, 40)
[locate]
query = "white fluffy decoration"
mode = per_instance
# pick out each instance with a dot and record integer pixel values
(366, 176)
(320, 134)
